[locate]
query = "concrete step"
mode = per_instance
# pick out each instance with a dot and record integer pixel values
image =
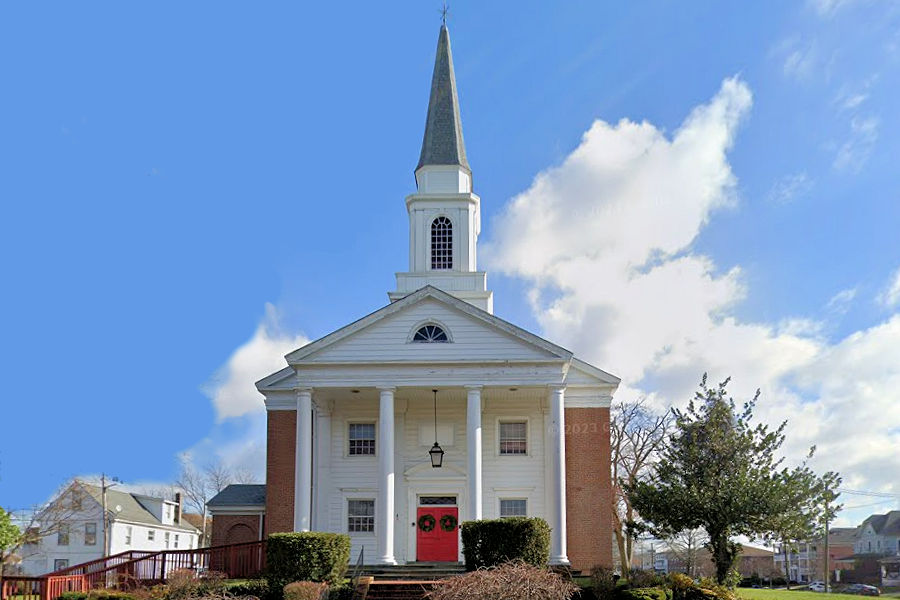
(414, 571)
(398, 590)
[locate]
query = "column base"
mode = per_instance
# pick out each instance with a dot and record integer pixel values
(562, 561)
(387, 560)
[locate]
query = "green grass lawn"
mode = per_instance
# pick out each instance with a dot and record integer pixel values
(798, 594)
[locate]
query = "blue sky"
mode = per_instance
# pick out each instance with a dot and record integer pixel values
(187, 189)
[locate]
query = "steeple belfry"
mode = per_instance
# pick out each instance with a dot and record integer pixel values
(444, 214)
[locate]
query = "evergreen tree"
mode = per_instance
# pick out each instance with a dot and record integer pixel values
(720, 472)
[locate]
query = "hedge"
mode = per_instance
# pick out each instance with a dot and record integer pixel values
(304, 590)
(653, 593)
(306, 556)
(248, 587)
(490, 543)
(96, 595)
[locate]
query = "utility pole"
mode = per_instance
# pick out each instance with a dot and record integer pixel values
(827, 571)
(103, 488)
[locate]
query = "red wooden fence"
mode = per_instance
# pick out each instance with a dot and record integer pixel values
(128, 569)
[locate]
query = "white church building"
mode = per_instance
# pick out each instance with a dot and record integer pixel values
(523, 425)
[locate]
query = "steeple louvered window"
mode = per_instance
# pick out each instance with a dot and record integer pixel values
(441, 243)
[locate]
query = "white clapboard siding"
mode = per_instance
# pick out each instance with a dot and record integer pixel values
(388, 339)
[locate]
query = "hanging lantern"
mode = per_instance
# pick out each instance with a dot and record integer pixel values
(436, 453)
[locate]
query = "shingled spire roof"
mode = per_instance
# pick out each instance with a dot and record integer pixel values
(443, 142)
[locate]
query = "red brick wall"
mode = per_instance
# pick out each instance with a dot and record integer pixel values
(588, 488)
(280, 450)
(233, 529)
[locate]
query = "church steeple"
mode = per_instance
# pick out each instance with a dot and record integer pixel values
(444, 214)
(443, 141)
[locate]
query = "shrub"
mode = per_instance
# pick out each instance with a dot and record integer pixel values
(96, 595)
(307, 556)
(493, 542)
(511, 581)
(603, 583)
(653, 593)
(184, 584)
(639, 578)
(305, 590)
(681, 585)
(341, 591)
(258, 588)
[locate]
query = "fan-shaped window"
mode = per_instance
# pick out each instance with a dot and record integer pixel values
(441, 243)
(430, 333)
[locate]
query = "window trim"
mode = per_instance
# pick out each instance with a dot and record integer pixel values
(528, 436)
(500, 501)
(346, 438)
(430, 236)
(63, 532)
(90, 537)
(370, 497)
(415, 329)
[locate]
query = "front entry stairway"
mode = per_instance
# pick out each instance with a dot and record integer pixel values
(407, 582)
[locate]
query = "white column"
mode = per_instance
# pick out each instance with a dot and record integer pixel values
(384, 514)
(473, 443)
(557, 482)
(322, 480)
(303, 461)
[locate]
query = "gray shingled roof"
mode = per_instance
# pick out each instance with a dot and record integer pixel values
(443, 142)
(132, 510)
(240, 494)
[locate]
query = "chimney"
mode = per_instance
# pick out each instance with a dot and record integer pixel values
(178, 508)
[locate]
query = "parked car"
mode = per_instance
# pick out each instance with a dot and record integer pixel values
(862, 589)
(817, 586)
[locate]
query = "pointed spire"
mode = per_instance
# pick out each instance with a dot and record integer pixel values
(443, 142)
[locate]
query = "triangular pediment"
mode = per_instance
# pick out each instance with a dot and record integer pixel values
(386, 336)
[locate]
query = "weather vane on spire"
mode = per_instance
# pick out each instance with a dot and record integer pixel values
(445, 10)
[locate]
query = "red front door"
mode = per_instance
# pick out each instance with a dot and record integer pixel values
(437, 539)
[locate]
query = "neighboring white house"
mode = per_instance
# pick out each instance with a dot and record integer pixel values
(69, 530)
(879, 534)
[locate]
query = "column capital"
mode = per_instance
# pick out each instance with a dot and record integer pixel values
(556, 387)
(305, 389)
(386, 388)
(474, 386)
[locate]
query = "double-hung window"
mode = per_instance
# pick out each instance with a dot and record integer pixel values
(62, 534)
(362, 439)
(513, 507)
(360, 516)
(90, 534)
(513, 437)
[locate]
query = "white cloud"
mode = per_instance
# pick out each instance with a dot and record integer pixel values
(605, 241)
(800, 60)
(840, 302)
(231, 388)
(854, 152)
(790, 187)
(890, 296)
(828, 8)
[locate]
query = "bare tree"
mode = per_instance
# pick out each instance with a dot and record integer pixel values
(637, 435)
(687, 548)
(63, 516)
(199, 485)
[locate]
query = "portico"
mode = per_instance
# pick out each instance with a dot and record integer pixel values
(405, 473)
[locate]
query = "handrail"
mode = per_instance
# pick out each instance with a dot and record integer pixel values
(354, 580)
(243, 560)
